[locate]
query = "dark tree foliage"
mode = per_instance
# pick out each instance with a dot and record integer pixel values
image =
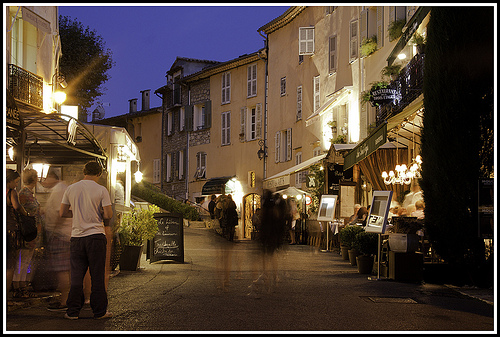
(458, 96)
(84, 63)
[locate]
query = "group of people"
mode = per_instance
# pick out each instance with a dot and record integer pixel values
(72, 224)
(223, 208)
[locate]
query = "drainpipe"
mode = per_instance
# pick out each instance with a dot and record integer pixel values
(265, 106)
(162, 139)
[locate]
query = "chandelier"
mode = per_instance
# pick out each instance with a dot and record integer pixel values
(403, 174)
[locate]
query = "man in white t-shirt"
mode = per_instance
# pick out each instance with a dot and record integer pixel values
(90, 205)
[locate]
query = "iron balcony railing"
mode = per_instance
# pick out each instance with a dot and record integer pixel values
(26, 86)
(410, 84)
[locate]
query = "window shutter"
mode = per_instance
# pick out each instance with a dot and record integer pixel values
(277, 141)
(223, 88)
(363, 29)
(169, 124)
(243, 117)
(258, 121)
(316, 93)
(168, 167)
(252, 80)
(189, 117)
(181, 164)
(392, 14)
(207, 118)
(228, 87)
(289, 144)
(353, 54)
(182, 119)
(299, 102)
(380, 27)
(156, 171)
(306, 40)
(333, 54)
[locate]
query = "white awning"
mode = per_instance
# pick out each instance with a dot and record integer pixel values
(299, 167)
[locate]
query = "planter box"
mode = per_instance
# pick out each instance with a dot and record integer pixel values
(403, 243)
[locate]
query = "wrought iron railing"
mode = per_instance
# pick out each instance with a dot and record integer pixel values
(26, 86)
(410, 84)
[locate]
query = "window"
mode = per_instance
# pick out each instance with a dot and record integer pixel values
(329, 9)
(24, 37)
(316, 92)
(226, 128)
(333, 54)
(283, 86)
(156, 171)
(201, 116)
(353, 40)
(369, 22)
(317, 151)
(251, 123)
(201, 162)
(299, 102)
(170, 123)
(301, 59)
(283, 145)
(252, 80)
(306, 40)
(226, 88)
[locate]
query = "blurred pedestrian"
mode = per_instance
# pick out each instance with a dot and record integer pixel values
(211, 206)
(58, 232)
(91, 205)
(293, 217)
(14, 240)
(354, 217)
(271, 237)
(231, 217)
(24, 264)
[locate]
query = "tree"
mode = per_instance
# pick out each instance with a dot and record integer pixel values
(458, 86)
(84, 63)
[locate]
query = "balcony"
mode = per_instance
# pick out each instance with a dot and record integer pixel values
(26, 86)
(410, 84)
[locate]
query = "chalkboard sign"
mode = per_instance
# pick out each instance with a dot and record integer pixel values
(168, 243)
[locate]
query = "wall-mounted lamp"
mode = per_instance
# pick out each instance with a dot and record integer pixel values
(263, 150)
(12, 154)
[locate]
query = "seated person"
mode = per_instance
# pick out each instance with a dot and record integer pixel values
(419, 209)
(354, 217)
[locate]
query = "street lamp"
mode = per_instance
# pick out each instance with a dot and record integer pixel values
(263, 150)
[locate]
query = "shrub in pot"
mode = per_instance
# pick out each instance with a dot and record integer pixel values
(367, 245)
(347, 235)
(136, 227)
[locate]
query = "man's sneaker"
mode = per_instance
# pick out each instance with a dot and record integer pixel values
(57, 307)
(106, 315)
(70, 317)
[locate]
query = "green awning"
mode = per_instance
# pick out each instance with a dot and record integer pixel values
(371, 143)
(215, 186)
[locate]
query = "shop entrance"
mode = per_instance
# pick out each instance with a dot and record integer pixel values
(250, 203)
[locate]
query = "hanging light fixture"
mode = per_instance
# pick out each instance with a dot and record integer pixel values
(41, 166)
(400, 176)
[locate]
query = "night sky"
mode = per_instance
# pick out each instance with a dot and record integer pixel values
(145, 41)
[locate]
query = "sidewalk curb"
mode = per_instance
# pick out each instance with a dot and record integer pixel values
(464, 292)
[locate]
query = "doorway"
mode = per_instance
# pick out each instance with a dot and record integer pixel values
(250, 203)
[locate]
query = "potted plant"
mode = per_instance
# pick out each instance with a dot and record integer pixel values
(136, 227)
(419, 40)
(347, 235)
(395, 29)
(391, 71)
(367, 246)
(368, 46)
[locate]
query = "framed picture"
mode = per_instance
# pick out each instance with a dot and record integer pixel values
(327, 205)
(377, 218)
(40, 188)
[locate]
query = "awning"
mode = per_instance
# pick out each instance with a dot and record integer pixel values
(376, 139)
(292, 191)
(299, 167)
(215, 186)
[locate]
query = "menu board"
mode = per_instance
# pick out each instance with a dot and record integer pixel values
(379, 210)
(327, 208)
(168, 243)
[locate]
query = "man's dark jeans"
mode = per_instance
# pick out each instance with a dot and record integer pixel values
(88, 252)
